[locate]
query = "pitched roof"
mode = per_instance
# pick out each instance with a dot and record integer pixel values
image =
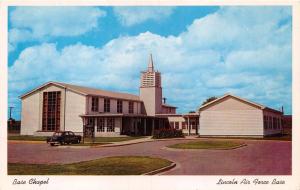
(260, 106)
(88, 91)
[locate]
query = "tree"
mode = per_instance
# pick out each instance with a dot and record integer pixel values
(209, 100)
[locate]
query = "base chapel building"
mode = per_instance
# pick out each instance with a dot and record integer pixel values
(57, 106)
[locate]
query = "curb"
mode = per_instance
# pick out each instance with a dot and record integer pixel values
(29, 142)
(161, 169)
(202, 149)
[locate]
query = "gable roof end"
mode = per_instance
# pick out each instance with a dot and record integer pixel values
(236, 97)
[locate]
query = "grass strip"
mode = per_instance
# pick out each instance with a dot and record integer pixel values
(119, 165)
(206, 145)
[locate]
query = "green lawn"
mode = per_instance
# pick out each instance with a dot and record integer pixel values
(126, 165)
(206, 145)
(285, 137)
(27, 138)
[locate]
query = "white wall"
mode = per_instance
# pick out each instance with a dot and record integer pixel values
(75, 106)
(231, 117)
(30, 114)
(32, 111)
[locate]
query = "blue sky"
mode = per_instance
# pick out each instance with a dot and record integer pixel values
(201, 51)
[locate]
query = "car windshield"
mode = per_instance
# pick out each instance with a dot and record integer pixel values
(57, 134)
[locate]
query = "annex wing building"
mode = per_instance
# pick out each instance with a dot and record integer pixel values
(57, 106)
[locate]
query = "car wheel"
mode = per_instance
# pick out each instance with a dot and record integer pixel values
(62, 142)
(52, 144)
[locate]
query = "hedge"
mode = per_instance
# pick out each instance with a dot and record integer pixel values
(167, 133)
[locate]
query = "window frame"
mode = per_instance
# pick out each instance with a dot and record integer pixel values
(106, 105)
(176, 124)
(100, 128)
(119, 106)
(110, 124)
(130, 107)
(95, 104)
(51, 111)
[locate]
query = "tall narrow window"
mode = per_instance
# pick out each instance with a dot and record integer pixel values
(51, 111)
(176, 125)
(193, 124)
(274, 123)
(100, 125)
(119, 106)
(106, 105)
(265, 122)
(95, 104)
(130, 107)
(183, 124)
(270, 122)
(110, 125)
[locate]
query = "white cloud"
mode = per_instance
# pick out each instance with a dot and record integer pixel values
(129, 16)
(40, 23)
(193, 67)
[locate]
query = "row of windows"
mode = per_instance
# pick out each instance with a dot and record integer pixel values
(183, 125)
(272, 122)
(95, 105)
(110, 124)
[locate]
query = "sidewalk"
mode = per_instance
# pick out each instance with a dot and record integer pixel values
(142, 140)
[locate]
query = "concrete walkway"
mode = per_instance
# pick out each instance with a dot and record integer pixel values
(147, 139)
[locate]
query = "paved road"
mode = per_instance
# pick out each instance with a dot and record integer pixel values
(257, 158)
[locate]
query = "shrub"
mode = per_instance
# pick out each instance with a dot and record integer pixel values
(167, 133)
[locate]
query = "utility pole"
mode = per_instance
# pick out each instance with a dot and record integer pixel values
(10, 108)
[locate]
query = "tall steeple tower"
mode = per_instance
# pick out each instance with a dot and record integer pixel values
(150, 64)
(150, 89)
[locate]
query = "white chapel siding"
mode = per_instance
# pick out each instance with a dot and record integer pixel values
(75, 106)
(30, 114)
(231, 117)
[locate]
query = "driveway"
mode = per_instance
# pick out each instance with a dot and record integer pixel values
(257, 158)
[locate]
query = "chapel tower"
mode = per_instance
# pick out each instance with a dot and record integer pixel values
(150, 89)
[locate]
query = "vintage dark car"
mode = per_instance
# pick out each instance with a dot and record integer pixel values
(64, 137)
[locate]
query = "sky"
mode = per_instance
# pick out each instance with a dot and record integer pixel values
(201, 51)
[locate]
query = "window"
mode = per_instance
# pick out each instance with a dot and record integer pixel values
(176, 125)
(270, 122)
(172, 124)
(119, 106)
(91, 121)
(51, 111)
(130, 107)
(193, 124)
(106, 105)
(265, 122)
(183, 124)
(274, 123)
(100, 125)
(95, 104)
(110, 125)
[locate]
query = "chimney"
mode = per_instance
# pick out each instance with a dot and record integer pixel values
(282, 110)
(164, 100)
